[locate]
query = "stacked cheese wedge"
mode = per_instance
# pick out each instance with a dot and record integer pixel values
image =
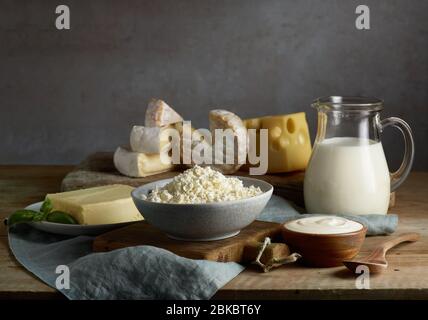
(223, 120)
(142, 157)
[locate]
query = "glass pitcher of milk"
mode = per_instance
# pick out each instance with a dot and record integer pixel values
(348, 172)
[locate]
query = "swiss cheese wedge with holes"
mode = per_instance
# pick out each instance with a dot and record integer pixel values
(289, 143)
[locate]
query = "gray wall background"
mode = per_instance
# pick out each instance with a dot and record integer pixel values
(66, 94)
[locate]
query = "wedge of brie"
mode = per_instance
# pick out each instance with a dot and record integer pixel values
(223, 119)
(149, 140)
(137, 164)
(159, 114)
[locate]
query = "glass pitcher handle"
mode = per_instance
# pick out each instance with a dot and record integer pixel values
(398, 177)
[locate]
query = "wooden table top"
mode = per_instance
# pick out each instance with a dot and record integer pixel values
(406, 277)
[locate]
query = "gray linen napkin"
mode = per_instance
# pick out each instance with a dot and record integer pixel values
(141, 272)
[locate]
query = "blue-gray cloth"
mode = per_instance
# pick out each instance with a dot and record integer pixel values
(141, 272)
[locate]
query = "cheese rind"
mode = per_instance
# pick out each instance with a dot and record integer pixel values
(137, 164)
(289, 142)
(98, 205)
(148, 140)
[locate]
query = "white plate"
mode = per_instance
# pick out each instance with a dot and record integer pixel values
(72, 229)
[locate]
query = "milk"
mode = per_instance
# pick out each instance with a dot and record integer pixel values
(347, 176)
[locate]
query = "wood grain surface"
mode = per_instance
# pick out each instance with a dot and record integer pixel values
(406, 277)
(226, 250)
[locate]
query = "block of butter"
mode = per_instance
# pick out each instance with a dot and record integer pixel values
(98, 205)
(289, 144)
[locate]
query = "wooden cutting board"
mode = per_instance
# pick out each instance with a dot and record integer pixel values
(98, 169)
(230, 249)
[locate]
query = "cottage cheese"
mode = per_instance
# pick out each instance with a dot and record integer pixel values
(202, 185)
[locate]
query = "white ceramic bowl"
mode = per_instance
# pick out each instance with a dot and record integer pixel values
(202, 221)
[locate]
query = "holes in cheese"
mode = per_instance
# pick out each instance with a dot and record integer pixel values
(289, 142)
(291, 127)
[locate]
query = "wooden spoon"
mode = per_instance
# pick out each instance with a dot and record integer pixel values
(376, 261)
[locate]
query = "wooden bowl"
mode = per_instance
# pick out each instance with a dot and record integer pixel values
(324, 250)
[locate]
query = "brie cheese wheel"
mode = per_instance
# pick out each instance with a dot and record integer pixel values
(159, 114)
(223, 119)
(149, 140)
(137, 164)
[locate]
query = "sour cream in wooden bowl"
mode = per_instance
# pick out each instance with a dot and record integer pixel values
(324, 241)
